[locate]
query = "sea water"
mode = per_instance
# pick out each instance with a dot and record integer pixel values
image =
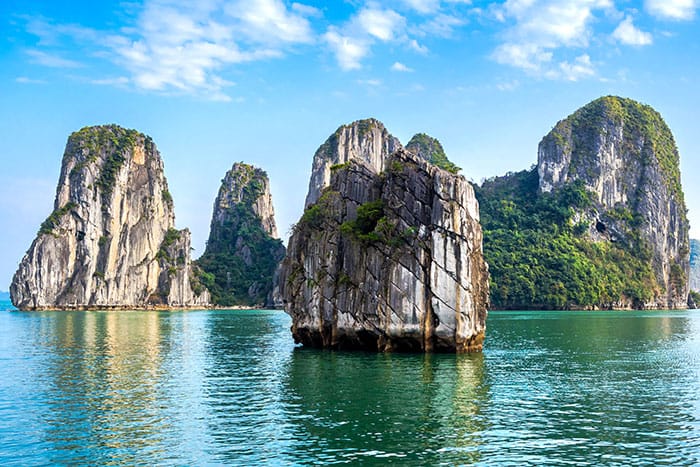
(231, 388)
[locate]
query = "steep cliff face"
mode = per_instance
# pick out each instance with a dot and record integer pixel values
(110, 241)
(695, 265)
(625, 155)
(389, 257)
(365, 140)
(243, 250)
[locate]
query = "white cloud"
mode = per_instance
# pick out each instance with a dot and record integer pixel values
(349, 51)
(441, 25)
(672, 9)
(581, 68)
(51, 60)
(384, 25)
(269, 21)
(628, 34)
(423, 6)
(181, 46)
(120, 81)
(542, 27)
(414, 45)
(307, 10)
(398, 66)
(370, 82)
(353, 41)
(508, 86)
(26, 80)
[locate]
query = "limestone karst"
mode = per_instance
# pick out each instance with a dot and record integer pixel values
(111, 240)
(387, 255)
(243, 250)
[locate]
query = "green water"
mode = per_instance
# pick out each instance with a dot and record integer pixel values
(218, 387)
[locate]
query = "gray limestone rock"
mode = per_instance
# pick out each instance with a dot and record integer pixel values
(365, 140)
(388, 256)
(111, 241)
(625, 154)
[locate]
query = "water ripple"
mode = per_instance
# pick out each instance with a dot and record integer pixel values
(217, 387)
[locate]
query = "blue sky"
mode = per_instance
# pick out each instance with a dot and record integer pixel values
(266, 81)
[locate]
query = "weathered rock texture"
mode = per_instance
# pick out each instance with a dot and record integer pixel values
(625, 154)
(389, 257)
(363, 140)
(111, 241)
(695, 265)
(243, 250)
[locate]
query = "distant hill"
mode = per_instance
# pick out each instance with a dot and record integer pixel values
(4, 295)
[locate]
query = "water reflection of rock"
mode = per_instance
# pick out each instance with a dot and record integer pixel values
(360, 406)
(102, 386)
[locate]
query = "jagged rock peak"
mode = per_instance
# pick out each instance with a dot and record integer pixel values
(388, 260)
(365, 140)
(110, 241)
(247, 184)
(625, 154)
(430, 149)
(243, 250)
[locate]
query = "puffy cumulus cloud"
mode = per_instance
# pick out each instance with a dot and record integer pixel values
(541, 27)
(628, 34)
(679, 10)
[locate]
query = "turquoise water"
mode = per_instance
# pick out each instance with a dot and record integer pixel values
(218, 387)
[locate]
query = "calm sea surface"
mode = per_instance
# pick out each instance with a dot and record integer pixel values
(218, 387)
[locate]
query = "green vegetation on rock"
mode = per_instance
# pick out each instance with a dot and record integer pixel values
(641, 125)
(431, 150)
(110, 141)
(51, 222)
(241, 257)
(540, 257)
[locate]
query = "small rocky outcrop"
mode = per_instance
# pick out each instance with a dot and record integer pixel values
(364, 140)
(388, 257)
(110, 241)
(625, 155)
(243, 250)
